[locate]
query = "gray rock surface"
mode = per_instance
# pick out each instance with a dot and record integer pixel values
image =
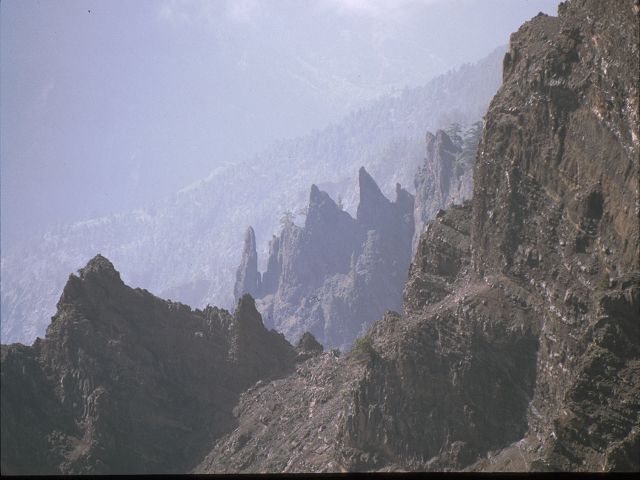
(248, 279)
(336, 274)
(446, 176)
(519, 348)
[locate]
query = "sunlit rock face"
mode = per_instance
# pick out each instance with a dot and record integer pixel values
(446, 176)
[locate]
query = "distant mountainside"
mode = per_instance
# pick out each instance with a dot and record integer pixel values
(186, 248)
(519, 346)
(337, 274)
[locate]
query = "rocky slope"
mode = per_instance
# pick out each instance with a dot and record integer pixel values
(519, 348)
(187, 247)
(335, 275)
(127, 383)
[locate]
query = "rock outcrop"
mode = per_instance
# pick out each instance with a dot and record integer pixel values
(446, 176)
(187, 246)
(519, 346)
(335, 275)
(127, 383)
(248, 279)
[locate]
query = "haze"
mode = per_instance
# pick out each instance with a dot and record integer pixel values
(107, 106)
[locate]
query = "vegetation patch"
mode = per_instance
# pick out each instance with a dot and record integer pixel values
(363, 350)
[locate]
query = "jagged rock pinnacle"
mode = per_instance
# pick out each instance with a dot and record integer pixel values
(368, 187)
(248, 279)
(444, 140)
(246, 311)
(372, 201)
(314, 194)
(322, 208)
(250, 239)
(309, 344)
(99, 266)
(404, 200)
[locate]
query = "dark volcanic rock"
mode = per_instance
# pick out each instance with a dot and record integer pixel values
(556, 208)
(308, 344)
(519, 348)
(127, 383)
(306, 409)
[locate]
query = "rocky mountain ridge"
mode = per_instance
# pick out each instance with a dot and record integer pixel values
(186, 248)
(125, 382)
(336, 274)
(519, 346)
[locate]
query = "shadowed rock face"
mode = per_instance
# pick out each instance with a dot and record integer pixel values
(337, 274)
(127, 383)
(308, 343)
(519, 348)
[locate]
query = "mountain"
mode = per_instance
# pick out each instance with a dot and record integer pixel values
(337, 274)
(186, 248)
(446, 176)
(519, 346)
(125, 382)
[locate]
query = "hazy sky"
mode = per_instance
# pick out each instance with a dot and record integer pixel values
(110, 105)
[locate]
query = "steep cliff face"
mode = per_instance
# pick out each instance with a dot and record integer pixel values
(248, 279)
(538, 342)
(337, 274)
(556, 209)
(446, 176)
(127, 383)
(519, 347)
